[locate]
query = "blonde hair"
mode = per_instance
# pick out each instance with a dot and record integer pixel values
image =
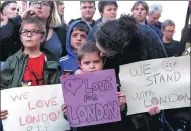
(54, 19)
(61, 16)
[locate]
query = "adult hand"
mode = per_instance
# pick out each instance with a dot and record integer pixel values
(154, 110)
(4, 114)
(29, 12)
(122, 100)
(78, 71)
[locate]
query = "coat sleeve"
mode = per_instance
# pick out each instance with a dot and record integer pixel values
(8, 30)
(124, 112)
(6, 74)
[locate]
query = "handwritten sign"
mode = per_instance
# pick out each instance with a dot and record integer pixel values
(34, 109)
(91, 98)
(163, 82)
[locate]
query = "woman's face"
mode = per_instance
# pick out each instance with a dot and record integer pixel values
(109, 12)
(42, 9)
(10, 10)
(61, 8)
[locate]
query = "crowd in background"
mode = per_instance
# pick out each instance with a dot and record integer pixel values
(38, 46)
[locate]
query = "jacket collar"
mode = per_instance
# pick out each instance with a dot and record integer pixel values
(50, 62)
(19, 54)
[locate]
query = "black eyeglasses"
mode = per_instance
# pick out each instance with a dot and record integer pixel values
(32, 32)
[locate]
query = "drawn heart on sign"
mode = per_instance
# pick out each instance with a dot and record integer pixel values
(170, 64)
(72, 85)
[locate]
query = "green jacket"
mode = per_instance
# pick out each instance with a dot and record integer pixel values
(13, 71)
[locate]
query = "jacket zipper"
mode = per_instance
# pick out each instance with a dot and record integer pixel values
(23, 70)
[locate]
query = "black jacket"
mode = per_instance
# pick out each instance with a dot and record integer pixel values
(172, 48)
(145, 45)
(10, 40)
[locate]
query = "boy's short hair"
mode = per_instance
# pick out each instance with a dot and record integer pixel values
(35, 21)
(102, 4)
(88, 47)
(81, 27)
(83, 1)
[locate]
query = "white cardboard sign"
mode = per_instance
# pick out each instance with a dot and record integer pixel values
(34, 108)
(163, 82)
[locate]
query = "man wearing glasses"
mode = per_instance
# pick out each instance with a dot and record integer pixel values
(171, 46)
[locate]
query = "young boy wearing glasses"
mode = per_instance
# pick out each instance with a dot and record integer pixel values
(29, 66)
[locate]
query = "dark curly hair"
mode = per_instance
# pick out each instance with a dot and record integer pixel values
(114, 35)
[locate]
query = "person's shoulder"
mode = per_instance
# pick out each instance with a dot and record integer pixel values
(60, 31)
(91, 34)
(147, 31)
(18, 55)
(142, 30)
(153, 27)
(13, 59)
(159, 23)
(150, 41)
(175, 41)
(99, 20)
(72, 20)
(49, 55)
(60, 28)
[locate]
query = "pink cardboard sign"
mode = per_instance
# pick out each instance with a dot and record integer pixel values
(91, 98)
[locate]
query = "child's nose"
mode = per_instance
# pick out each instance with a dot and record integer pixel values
(78, 37)
(92, 66)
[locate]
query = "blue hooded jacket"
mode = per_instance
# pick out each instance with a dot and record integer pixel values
(69, 62)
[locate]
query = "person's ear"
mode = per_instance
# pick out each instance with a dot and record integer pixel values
(4, 13)
(79, 63)
(21, 38)
(101, 14)
(101, 54)
(162, 30)
(42, 38)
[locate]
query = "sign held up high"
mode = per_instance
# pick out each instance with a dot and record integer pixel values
(163, 82)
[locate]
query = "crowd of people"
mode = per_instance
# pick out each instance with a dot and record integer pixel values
(38, 46)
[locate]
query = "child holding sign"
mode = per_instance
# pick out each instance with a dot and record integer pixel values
(89, 60)
(29, 66)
